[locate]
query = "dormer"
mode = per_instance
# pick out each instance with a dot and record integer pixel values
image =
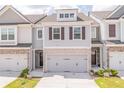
(67, 14)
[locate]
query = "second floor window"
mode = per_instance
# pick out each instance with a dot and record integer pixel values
(71, 15)
(77, 33)
(39, 34)
(112, 30)
(7, 33)
(56, 33)
(61, 15)
(66, 15)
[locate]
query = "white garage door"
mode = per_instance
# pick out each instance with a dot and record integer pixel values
(60, 63)
(13, 62)
(116, 60)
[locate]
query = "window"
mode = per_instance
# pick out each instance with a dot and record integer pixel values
(77, 33)
(112, 30)
(71, 15)
(61, 15)
(7, 33)
(66, 15)
(39, 34)
(3, 34)
(56, 33)
(11, 35)
(93, 31)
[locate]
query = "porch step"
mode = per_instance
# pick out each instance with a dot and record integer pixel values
(36, 73)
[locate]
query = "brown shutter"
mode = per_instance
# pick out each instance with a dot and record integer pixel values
(70, 33)
(50, 33)
(62, 33)
(112, 30)
(83, 33)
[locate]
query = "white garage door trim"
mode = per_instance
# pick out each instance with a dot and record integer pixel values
(116, 60)
(71, 63)
(13, 62)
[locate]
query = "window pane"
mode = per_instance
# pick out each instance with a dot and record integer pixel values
(11, 35)
(72, 15)
(66, 15)
(56, 33)
(56, 30)
(39, 34)
(56, 36)
(77, 33)
(61, 15)
(77, 36)
(3, 34)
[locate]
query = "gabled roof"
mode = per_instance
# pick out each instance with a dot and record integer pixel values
(53, 18)
(9, 15)
(35, 18)
(101, 14)
(115, 14)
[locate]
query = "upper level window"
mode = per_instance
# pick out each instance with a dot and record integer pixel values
(56, 33)
(7, 33)
(66, 15)
(61, 15)
(71, 15)
(39, 34)
(112, 30)
(93, 32)
(77, 33)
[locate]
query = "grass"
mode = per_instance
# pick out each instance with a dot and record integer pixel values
(23, 83)
(111, 82)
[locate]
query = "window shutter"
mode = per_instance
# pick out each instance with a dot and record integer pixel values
(112, 32)
(62, 33)
(70, 33)
(83, 33)
(50, 33)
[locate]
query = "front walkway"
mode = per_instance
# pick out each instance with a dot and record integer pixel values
(7, 77)
(66, 80)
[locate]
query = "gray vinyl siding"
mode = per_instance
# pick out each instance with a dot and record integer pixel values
(36, 44)
(97, 35)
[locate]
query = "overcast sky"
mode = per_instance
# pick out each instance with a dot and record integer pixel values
(39, 9)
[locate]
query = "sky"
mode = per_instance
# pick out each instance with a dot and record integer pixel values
(40, 9)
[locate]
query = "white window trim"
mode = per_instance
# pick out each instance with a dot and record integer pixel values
(37, 33)
(80, 32)
(53, 33)
(15, 33)
(94, 32)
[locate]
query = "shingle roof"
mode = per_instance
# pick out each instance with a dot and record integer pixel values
(35, 18)
(53, 18)
(101, 14)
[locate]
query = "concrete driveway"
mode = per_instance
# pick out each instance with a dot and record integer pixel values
(66, 80)
(7, 76)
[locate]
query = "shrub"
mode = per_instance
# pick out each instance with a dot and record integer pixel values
(114, 72)
(107, 70)
(24, 73)
(100, 72)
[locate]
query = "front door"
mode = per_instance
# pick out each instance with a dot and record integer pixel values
(93, 58)
(41, 59)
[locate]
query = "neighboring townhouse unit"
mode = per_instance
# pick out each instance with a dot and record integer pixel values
(112, 36)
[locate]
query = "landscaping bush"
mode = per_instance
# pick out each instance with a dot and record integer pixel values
(24, 73)
(100, 72)
(114, 72)
(107, 70)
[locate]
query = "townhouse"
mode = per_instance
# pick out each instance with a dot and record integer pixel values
(66, 41)
(111, 25)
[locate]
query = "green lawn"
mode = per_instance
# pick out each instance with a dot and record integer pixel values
(23, 83)
(112, 82)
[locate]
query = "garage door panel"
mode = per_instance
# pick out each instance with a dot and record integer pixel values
(67, 63)
(116, 60)
(13, 62)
